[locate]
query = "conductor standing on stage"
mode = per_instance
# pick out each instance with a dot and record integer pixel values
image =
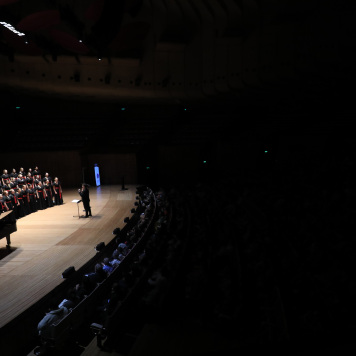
(84, 193)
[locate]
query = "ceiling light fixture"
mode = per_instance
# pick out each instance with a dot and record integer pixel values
(12, 28)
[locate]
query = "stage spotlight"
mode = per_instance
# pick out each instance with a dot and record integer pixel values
(100, 246)
(133, 210)
(136, 203)
(116, 231)
(68, 272)
(126, 220)
(137, 198)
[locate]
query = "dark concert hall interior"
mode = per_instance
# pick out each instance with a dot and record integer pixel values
(235, 120)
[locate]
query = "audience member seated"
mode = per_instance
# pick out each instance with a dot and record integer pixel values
(83, 289)
(115, 261)
(97, 276)
(107, 268)
(136, 267)
(114, 298)
(71, 298)
(53, 315)
(129, 278)
(122, 248)
(109, 304)
(122, 288)
(155, 285)
(142, 256)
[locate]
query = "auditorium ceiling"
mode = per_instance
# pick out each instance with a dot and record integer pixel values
(174, 52)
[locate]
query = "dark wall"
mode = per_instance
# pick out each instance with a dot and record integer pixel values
(112, 166)
(68, 166)
(178, 164)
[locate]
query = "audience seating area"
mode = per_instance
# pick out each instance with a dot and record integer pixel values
(82, 296)
(266, 259)
(152, 248)
(271, 254)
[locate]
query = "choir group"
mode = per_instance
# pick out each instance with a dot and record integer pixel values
(28, 192)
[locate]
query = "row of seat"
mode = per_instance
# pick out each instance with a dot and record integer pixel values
(82, 313)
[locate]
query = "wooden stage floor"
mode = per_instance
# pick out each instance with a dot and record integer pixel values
(49, 241)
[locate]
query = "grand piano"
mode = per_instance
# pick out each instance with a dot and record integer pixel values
(7, 226)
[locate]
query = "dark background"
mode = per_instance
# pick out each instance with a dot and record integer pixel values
(289, 87)
(251, 99)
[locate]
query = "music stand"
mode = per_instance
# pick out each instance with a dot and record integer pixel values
(76, 201)
(123, 183)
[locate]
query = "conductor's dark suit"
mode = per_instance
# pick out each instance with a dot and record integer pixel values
(84, 193)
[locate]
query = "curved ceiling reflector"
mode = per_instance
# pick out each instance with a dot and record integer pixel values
(133, 7)
(130, 36)
(94, 11)
(20, 43)
(69, 42)
(40, 20)
(7, 2)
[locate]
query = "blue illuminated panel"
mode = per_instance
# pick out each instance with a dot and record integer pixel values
(97, 175)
